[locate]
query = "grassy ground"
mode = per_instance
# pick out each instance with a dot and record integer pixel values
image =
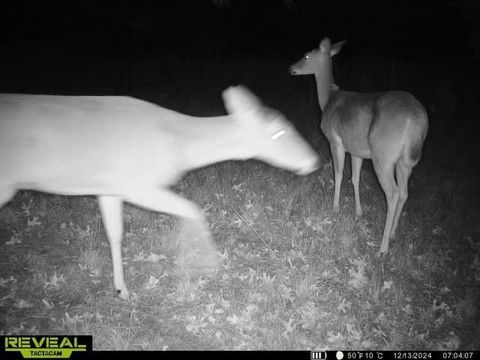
(293, 274)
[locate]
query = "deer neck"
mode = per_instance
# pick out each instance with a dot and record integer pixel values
(216, 139)
(324, 80)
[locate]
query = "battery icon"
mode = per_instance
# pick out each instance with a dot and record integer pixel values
(318, 355)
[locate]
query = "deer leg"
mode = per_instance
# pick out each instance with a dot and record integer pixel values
(338, 155)
(356, 167)
(197, 250)
(111, 209)
(151, 199)
(162, 200)
(403, 172)
(385, 173)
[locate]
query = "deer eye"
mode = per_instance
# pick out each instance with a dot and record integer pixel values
(278, 134)
(307, 57)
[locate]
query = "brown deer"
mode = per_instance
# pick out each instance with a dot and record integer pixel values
(387, 127)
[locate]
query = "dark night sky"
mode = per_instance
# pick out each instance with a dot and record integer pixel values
(441, 29)
(66, 47)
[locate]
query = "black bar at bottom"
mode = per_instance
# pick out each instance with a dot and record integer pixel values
(253, 355)
(394, 355)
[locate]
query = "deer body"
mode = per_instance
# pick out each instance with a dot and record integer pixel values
(73, 153)
(387, 127)
(125, 149)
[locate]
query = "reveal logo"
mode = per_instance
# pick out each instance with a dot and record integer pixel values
(47, 347)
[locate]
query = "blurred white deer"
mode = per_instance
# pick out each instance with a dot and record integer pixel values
(125, 149)
(387, 127)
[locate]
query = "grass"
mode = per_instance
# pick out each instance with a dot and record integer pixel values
(293, 275)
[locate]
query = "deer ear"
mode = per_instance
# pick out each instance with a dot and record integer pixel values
(335, 49)
(238, 99)
(325, 44)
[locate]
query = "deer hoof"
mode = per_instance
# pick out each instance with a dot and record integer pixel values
(123, 294)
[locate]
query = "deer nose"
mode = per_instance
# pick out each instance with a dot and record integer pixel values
(309, 166)
(293, 71)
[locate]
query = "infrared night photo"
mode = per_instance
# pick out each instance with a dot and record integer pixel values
(240, 175)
